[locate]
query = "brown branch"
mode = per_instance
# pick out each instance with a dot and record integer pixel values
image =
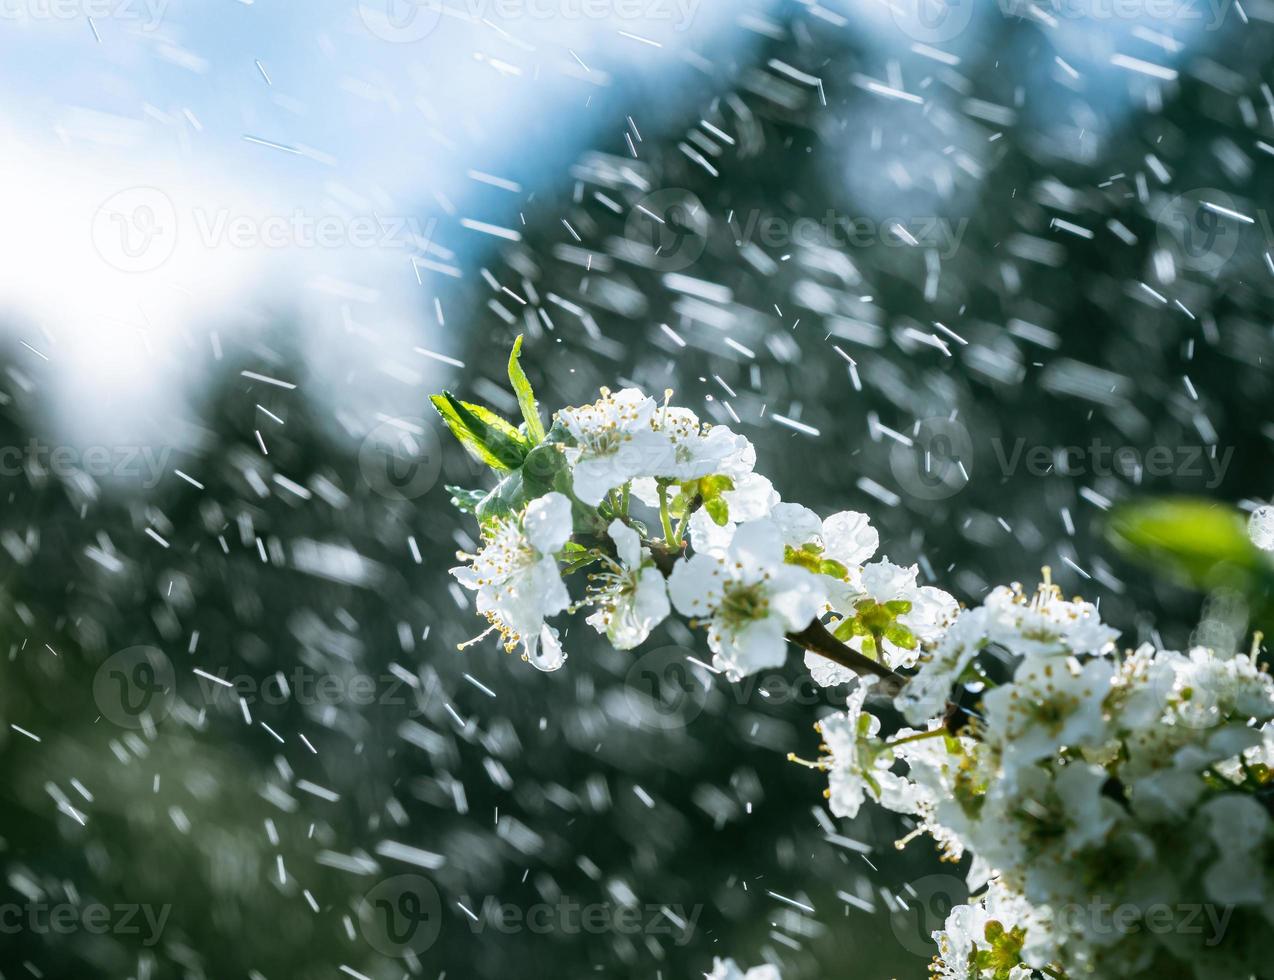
(817, 639)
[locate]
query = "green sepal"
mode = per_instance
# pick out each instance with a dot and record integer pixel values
(849, 628)
(833, 568)
(900, 636)
(1004, 952)
(706, 491)
(718, 510)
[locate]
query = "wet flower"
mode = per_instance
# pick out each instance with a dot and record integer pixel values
(983, 940)
(614, 441)
(887, 616)
(516, 578)
(750, 597)
(1045, 624)
(632, 596)
(855, 758)
(927, 692)
(698, 449)
(1050, 705)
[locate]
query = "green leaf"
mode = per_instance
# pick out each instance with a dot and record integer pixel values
(1198, 542)
(491, 439)
(526, 397)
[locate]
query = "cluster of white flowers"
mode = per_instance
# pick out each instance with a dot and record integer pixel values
(1108, 799)
(1076, 777)
(759, 569)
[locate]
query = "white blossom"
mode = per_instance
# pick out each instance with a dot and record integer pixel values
(632, 596)
(751, 597)
(852, 760)
(966, 932)
(893, 613)
(697, 449)
(1240, 829)
(516, 578)
(1049, 705)
(827, 673)
(927, 692)
(1045, 624)
(614, 442)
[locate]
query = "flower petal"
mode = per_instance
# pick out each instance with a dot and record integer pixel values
(548, 523)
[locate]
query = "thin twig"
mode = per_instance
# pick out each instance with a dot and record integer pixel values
(817, 639)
